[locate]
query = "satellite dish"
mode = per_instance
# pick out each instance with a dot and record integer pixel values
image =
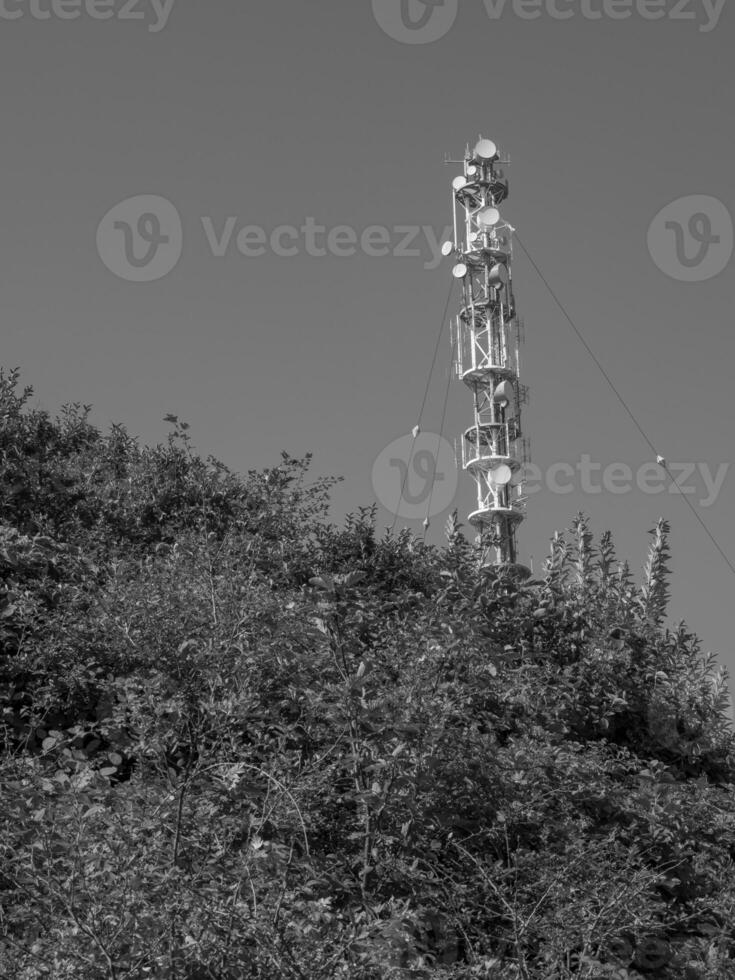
(459, 271)
(458, 183)
(497, 276)
(486, 150)
(447, 248)
(488, 217)
(500, 476)
(504, 393)
(471, 170)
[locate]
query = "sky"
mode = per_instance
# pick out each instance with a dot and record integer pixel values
(231, 212)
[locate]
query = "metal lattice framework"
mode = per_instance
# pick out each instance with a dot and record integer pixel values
(487, 335)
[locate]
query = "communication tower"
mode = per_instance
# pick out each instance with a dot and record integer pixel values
(487, 335)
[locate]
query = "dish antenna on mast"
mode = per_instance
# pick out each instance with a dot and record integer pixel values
(486, 150)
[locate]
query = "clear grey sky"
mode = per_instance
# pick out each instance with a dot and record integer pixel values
(274, 112)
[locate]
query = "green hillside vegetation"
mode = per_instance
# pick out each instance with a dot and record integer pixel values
(241, 742)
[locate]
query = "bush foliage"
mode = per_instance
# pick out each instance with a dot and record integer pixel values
(240, 742)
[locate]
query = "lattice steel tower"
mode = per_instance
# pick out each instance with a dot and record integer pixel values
(487, 335)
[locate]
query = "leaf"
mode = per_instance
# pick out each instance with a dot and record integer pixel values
(620, 949)
(46, 544)
(652, 954)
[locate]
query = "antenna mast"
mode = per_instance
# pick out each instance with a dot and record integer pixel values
(488, 335)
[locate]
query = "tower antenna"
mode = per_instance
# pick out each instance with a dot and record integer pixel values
(488, 336)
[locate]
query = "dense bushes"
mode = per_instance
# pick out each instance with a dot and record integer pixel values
(240, 742)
